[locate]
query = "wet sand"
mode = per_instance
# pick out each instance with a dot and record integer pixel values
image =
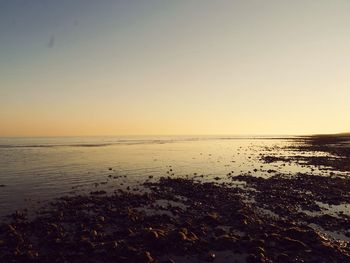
(297, 217)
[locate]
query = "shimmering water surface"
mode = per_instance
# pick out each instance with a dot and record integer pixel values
(34, 170)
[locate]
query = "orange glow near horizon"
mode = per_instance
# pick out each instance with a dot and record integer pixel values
(175, 68)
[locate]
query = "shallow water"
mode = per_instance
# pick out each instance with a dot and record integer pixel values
(39, 169)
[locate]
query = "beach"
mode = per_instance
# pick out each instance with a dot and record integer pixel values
(183, 199)
(174, 131)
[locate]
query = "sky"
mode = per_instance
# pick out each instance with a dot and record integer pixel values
(184, 67)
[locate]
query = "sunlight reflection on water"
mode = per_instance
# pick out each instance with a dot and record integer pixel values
(43, 168)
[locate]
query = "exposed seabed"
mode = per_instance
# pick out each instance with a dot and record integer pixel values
(240, 218)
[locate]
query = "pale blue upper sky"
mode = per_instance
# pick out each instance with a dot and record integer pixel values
(74, 67)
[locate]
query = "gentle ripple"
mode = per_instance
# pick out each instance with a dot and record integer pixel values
(37, 169)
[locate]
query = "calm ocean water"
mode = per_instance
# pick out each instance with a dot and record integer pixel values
(36, 170)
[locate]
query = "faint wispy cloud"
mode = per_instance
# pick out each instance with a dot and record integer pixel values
(51, 42)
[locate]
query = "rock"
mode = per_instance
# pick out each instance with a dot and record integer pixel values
(154, 234)
(102, 192)
(226, 240)
(292, 244)
(302, 234)
(212, 217)
(87, 244)
(146, 257)
(282, 258)
(210, 256)
(219, 231)
(182, 236)
(255, 258)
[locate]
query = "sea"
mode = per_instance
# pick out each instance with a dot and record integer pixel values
(35, 171)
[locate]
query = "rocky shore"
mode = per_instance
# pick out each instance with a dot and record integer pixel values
(283, 218)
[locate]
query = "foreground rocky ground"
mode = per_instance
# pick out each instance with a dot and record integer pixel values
(282, 218)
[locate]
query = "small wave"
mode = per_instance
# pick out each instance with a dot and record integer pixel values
(109, 142)
(55, 145)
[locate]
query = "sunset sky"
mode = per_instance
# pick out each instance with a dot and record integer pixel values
(79, 67)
